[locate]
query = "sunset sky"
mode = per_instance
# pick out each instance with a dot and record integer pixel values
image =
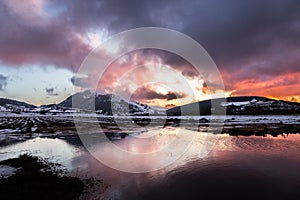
(255, 45)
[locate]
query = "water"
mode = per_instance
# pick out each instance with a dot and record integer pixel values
(212, 167)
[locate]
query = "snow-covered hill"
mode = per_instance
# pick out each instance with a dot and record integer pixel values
(9, 105)
(244, 105)
(107, 104)
(87, 101)
(110, 104)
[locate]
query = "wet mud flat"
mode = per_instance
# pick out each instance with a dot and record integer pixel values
(26, 124)
(35, 178)
(123, 126)
(238, 168)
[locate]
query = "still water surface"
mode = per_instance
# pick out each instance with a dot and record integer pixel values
(213, 167)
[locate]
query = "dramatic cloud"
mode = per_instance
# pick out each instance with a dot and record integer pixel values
(3, 82)
(82, 82)
(170, 105)
(51, 92)
(253, 43)
(29, 36)
(283, 86)
(230, 30)
(146, 93)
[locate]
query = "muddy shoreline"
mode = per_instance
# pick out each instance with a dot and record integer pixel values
(12, 127)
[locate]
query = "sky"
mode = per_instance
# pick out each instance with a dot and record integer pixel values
(255, 45)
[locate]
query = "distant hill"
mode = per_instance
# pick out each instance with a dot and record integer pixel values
(4, 102)
(86, 101)
(243, 105)
(102, 103)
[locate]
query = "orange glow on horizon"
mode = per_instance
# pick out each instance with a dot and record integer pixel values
(282, 87)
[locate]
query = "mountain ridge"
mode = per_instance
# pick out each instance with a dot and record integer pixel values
(5, 101)
(102, 104)
(249, 105)
(94, 101)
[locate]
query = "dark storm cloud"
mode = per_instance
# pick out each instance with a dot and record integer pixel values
(246, 39)
(145, 93)
(175, 61)
(256, 38)
(56, 36)
(43, 41)
(80, 81)
(51, 92)
(36, 39)
(3, 82)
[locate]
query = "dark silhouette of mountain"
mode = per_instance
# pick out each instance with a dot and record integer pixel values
(243, 105)
(102, 103)
(87, 100)
(111, 104)
(5, 102)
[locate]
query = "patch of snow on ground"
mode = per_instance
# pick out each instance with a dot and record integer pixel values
(6, 171)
